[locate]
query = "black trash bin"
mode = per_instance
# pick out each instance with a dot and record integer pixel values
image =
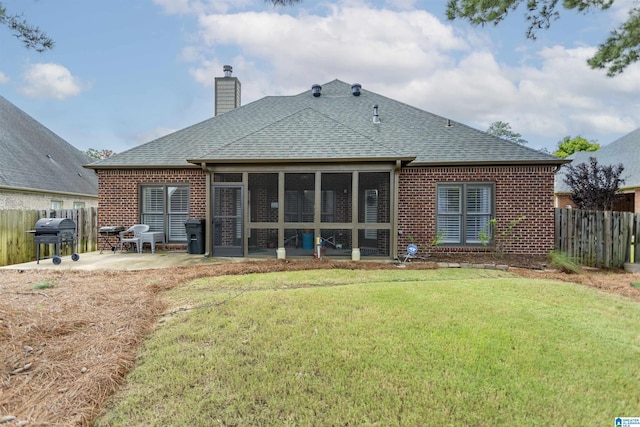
(195, 236)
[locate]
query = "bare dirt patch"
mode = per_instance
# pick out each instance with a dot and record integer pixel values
(67, 339)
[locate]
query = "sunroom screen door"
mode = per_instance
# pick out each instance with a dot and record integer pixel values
(227, 221)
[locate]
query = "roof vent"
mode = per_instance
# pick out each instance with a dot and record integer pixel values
(315, 89)
(355, 89)
(376, 117)
(228, 69)
(448, 125)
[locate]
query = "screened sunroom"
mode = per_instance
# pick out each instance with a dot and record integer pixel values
(302, 210)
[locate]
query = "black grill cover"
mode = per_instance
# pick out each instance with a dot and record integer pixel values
(111, 229)
(55, 226)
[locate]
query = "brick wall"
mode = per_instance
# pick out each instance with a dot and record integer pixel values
(28, 200)
(622, 202)
(119, 190)
(564, 201)
(520, 190)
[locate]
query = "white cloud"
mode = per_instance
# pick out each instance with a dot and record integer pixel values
(48, 80)
(554, 96)
(621, 8)
(191, 54)
(391, 46)
(402, 4)
(577, 98)
(544, 92)
(3, 78)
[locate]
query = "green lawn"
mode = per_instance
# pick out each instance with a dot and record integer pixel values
(343, 347)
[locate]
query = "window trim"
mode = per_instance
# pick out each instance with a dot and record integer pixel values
(463, 215)
(166, 208)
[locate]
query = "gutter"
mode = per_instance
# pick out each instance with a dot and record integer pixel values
(124, 167)
(558, 162)
(299, 160)
(37, 190)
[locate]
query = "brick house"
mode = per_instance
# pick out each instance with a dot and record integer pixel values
(625, 150)
(360, 173)
(38, 169)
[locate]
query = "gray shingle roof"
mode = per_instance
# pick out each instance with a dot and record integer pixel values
(295, 138)
(33, 157)
(625, 150)
(336, 125)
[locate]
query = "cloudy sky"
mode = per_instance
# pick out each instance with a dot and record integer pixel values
(124, 72)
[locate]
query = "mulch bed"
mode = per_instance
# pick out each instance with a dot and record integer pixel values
(67, 339)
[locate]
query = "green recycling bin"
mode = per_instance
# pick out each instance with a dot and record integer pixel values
(195, 236)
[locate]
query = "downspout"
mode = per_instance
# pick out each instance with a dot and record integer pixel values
(395, 209)
(207, 206)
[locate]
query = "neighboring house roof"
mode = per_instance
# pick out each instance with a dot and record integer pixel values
(335, 126)
(34, 158)
(625, 150)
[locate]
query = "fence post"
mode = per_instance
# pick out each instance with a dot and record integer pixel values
(607, 239)
(636, 233)
(570, 232)
(626, 224)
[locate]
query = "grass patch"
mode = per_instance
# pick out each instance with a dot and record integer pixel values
(443, 347)
(43, 285)
(565, 263)
(635, 284)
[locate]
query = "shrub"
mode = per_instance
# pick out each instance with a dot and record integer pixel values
(565, 263)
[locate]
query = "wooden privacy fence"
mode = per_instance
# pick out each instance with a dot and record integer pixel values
(597, 238)
(17, 246)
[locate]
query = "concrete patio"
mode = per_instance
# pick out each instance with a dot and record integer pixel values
(109, 260)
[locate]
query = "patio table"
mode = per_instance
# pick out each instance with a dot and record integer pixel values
(152, 238)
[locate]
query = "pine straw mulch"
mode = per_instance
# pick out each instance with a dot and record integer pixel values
(67, 339)
(611, 281)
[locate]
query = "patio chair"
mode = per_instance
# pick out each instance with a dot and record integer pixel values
(291, 239)
(137, 231)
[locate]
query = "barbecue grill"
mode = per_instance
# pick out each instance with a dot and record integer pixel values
(106, 233)
(57, 231)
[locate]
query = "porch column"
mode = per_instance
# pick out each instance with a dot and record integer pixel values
(355, 244)
(246, 215)
(281, 251)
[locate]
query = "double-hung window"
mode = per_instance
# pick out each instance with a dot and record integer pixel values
(165, 208)
(464, 212)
